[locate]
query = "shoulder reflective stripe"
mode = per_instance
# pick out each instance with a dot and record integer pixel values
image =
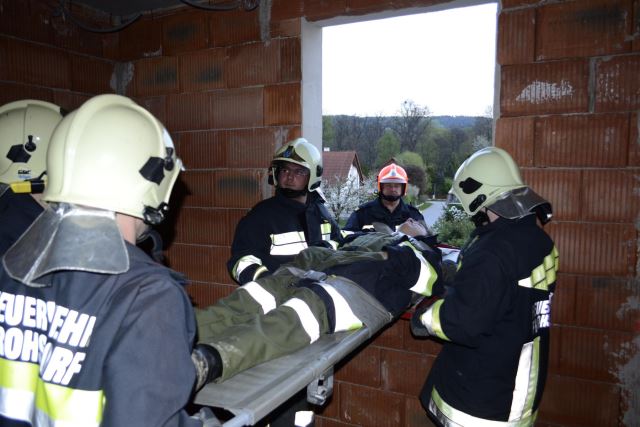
(308, 320)
(368, 227)
(21, 386)
(325, 228)
(261, 296)
(543, 275)
(526, 381)
(452, 417)
(333, 244)
(426, 279)
(243, 263)
(287, 243)
(346, 233)
(431, 320)
(346, 320)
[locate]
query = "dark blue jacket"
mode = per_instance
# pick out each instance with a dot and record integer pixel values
(374, 211)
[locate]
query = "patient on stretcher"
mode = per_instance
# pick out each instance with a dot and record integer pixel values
(290, 309)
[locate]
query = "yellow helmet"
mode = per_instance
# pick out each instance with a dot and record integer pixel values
(112, 154)
(303, 153)
(25, 130)
(490, 178)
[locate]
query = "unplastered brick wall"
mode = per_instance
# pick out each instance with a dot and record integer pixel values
(569, 95)
(228, 88)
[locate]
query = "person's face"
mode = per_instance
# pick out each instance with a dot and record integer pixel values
(390, 189)
(292, 176)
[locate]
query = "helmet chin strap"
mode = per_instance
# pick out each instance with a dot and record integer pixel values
(389, 198)
(480, 218)
(291, 194)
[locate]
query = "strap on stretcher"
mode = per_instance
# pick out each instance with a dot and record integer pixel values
(253, 394)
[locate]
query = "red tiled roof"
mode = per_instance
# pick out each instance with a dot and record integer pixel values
(338, 163)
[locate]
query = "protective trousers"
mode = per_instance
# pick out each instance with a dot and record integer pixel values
(274, 316)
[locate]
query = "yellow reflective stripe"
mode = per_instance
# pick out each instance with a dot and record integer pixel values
(431, 320)
(543, 275)
(21, 385)
(333, 244)
(345, 233)
(243, 263)
(325, 228)
(427, 276)
(261, 296)
(260, 271)
(290, 243)
(526, 381)
(308, 320)
(346, 320)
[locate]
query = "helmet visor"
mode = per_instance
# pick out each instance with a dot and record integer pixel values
(517, 203)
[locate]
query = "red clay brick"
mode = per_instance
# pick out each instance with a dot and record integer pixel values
(315, 10)
(224, 188)
(599, 140)
(634, 140)
(392, 336)
(516, 37)
(545, 88)
(359, 7)
(184, 32)
(415, 414)
(29, 20)
(285, 9)
(15, 91)
(69, 100)
(607, 303)
(156, 76)
(200, 263)
(575, 402)
(202, 70)
(516, 135)
(157, 107)
(596, 249)
(237, 108)
(585, 28)
(282, 104)
(285, 28)
(564, 300)
(253, 64)
(191, 111)
(370, 407)
(30, 63)
(506, 4)
(91, 75)
(250, 148)
(290, 60)
(430, 346)
(617, 86)
(207, 226)
(206, 294)
(235, 27)
(142, 39)
(635, 43)
(561, 187)
(363, 368)
(610, 195)
(590, 353)
(201, 150)
(330, 422)
(70, 37)
(404, 372)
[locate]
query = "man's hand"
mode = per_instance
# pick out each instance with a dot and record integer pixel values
(412, 228)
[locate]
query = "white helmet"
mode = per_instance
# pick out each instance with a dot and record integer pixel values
(303, 153)
(114, 155)
(490, 178)
(25, 130)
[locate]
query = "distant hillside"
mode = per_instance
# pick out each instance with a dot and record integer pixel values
(447, 122)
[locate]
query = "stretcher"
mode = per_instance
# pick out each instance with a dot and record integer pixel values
(253, 394)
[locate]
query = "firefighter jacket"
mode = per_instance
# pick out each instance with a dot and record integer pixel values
(283, 312)
(90, 349)
(275, 230)
(17, 212)
(374, 211)
(495, 324)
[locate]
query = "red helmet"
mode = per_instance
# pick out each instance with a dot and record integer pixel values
(393, 174)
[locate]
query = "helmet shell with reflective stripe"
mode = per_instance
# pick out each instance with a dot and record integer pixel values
(303, 153)
(112, 154)
(393, 174)
(25, 130)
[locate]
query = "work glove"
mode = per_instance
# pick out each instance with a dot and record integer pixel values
(208, 364)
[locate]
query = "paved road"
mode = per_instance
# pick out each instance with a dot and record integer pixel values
(433, 212)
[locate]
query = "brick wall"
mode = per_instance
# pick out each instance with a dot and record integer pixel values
(228, 87)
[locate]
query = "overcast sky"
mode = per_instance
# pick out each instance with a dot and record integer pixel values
(443, 60)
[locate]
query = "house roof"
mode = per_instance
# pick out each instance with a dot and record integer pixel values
(338, 164)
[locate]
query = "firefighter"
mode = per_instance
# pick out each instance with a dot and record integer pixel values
(388, 208)
(86, 315)
(276, 229)
(291, 308)
(25, 129)
(495, 322)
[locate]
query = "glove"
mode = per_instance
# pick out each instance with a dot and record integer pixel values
(208, 364)
(418, 328)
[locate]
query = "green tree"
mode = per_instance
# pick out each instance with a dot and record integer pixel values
(328, 133)
(387, 147)
(412, 123)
